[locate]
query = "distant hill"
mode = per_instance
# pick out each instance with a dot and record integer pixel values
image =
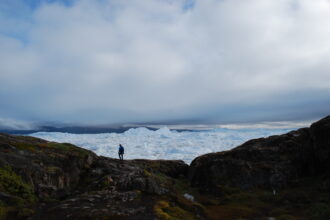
(71, 129)
(83, 129)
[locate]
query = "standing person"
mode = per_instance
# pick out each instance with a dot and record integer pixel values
(121, 152)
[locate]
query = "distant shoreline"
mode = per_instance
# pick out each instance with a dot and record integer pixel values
(178, 128)
(84, 130)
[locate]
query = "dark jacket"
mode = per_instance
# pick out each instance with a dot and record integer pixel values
(121, 150)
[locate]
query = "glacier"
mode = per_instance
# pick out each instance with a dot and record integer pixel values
(164, 143)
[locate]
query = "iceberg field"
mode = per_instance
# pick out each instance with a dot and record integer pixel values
(162, 143)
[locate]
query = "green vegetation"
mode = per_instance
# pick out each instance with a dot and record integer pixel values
(158, 177)
(159, 210)
(305, 201)
(52, 169)
(20, 194)
(165, 211)
(25, 146)
(231, 212)
(162, 178)
(69, 148)
(13, 184)
(146, 173)
(174, 206)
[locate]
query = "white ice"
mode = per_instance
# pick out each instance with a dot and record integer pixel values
(162, 143)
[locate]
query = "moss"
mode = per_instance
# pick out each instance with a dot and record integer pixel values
(304, 201)
(156, 175)
(69, 148)
(146, 173)
(21, 195)
(163, 210)
(182, 186)
(177, 213)
(52, 169)
(13, 184)
(231, 212)
(161, 177)
(159, 210)
(25, 146)
(191, 206)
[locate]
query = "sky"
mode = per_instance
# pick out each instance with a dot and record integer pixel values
(211, 61)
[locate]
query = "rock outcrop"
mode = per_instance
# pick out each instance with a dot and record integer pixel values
(61, 181)
(285, 176)
(274, 162)
(320, 138)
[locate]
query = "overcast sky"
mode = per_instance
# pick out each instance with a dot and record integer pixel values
(115, 61)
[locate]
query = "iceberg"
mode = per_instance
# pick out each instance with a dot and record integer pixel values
(164, 143)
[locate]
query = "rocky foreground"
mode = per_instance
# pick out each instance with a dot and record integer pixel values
(279, 177)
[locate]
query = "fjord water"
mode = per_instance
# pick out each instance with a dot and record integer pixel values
(163, 143)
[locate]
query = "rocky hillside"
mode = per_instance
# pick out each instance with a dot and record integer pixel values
(279, 177)
(274, 162)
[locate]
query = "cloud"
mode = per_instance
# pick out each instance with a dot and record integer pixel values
(146, 60)
(9, 124)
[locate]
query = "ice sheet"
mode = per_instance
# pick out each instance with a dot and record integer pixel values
(162, 143)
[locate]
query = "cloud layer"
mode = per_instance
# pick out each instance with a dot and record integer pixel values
(152, 60)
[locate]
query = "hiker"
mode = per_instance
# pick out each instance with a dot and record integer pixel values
(121, 152)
